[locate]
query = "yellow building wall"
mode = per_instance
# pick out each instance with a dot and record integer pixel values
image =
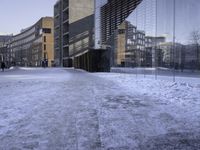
(48, 22)
(121, 45)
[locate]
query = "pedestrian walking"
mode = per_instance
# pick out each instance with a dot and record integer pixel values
(3, 66)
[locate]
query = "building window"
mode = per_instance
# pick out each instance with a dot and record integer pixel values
(44, 38)
(46, 30)
(44, 46)
(121, 31)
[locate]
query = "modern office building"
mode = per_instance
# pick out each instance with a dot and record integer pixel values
(81, 29)
(76, 31)
(34, 46)
(74, 23)
(91, 25)
(61, 33)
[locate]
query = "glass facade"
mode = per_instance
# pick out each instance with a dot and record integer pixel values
(98, 5)
(163, 35)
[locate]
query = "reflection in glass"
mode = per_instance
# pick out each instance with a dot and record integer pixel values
(163, 34)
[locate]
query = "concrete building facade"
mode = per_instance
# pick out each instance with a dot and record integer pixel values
(74, 23)
(61, 32)
(34, 45)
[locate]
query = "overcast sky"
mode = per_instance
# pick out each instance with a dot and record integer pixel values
(19, 14)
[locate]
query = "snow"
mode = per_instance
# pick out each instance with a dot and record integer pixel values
(56, 108)
(160, 71)
(160, 114)
(184, 90)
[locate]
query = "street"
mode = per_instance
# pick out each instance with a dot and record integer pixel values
(67, 109)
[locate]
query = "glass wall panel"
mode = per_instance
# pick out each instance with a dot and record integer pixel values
(165, 38)
(187, 30)
(97, 36)
(160, 37)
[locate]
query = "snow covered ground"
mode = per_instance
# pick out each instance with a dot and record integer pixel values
(160, 71)
(66, 109)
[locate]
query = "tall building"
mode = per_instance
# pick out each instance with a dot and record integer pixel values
(34, 45)
(74, 24)
(81, 32)
(84, 28)
(61, 33)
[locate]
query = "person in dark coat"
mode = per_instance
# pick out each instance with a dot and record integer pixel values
(3, 66)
